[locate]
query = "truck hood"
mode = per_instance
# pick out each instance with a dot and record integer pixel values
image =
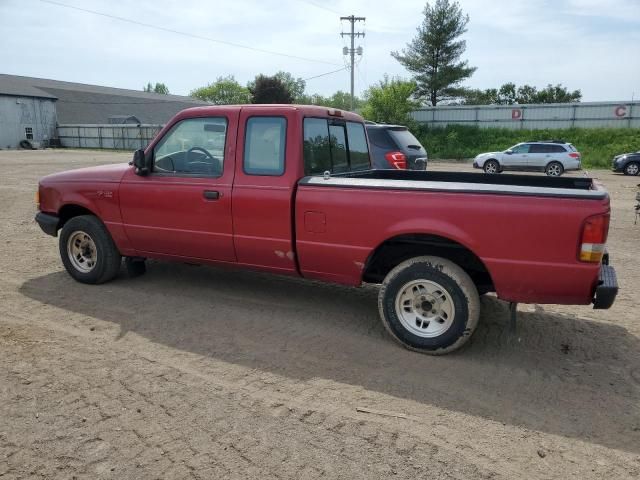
(101, 173)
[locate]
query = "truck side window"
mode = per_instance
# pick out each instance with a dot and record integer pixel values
(334, 146)
(338, 142)
(192, 147)
(264, 145)
(358, 148)
(316, 148)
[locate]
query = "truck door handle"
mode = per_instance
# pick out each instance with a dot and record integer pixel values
(211, 194)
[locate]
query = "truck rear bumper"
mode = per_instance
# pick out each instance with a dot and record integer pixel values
(607, 288)
(48, 223)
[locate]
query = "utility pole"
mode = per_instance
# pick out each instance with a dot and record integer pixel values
(352, 51)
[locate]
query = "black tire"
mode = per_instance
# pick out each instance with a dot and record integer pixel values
(445, 275)
(105, 260)
(554, 169)
(491, 166)
(632, 168)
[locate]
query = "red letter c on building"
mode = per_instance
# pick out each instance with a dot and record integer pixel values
(620, 111)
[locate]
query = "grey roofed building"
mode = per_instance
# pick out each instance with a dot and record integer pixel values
(78, 103)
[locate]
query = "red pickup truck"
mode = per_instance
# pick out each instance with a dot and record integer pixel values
(288, 189)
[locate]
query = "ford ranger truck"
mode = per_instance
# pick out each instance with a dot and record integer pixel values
(288, 189)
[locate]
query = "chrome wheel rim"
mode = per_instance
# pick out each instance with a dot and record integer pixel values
(632, 169)
(82, 252)
(425, 308)
(553, 170)
(491, 168)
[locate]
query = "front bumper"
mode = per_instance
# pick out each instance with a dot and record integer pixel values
(48, 223)
(617, 165)
(607, 288)
(475, 164)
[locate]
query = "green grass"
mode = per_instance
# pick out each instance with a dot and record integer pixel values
(597, 145)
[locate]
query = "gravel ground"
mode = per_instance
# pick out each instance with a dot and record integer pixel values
(197, 372)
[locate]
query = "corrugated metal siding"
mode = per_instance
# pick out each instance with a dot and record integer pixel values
(121, 137)
(547, 116)
(18, 113)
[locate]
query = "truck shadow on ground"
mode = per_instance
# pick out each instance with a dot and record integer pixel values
(560, 374)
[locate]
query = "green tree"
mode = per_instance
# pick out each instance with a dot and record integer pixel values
(157, 88)
(433, 56)
(390, 101)
(340, 100)
(295, 86)
(509, 94)
(557, 94)
(266, 89)
(224, 91)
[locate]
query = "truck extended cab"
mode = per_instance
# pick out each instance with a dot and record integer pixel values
(287, 189)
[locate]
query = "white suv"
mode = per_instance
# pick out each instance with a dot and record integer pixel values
(553, 157)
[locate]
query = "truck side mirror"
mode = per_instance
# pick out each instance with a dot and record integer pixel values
(139, 162)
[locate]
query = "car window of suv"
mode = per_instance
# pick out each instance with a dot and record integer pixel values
(334, 145)
(538, 148)
(557, 149)
(380, 138)
(524, 148)
(264, 146)
(194, 146)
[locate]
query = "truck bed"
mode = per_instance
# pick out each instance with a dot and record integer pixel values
(529, 185)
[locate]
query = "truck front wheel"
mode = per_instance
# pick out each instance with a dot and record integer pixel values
(87, 250)
(429, 304)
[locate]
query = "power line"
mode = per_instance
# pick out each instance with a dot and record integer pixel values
(185, 34)
(327, 73)
(321, 6)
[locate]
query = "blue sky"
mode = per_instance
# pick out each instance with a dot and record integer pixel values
(592, 45)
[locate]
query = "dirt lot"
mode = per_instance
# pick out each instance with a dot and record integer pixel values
(204, 373)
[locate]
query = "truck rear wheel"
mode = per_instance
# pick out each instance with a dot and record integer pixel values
(430, 305)
(87, 250)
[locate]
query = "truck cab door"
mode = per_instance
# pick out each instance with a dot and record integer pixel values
(182, 208)
(268, 165)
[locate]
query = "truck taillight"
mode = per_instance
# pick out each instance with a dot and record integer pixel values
(574, 155)
(594, 237)
(396, 160)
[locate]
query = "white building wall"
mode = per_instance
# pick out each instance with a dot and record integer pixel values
(19, 113)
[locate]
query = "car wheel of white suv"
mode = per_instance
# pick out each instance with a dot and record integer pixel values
(554, 169)
(491, 166)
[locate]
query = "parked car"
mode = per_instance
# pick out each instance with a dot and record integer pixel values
(395, 147)
(627, 163)
(553, 157)
(429, 238)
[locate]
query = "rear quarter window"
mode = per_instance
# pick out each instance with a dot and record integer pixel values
(332, 145)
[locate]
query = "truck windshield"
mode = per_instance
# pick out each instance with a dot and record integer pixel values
(334, 146)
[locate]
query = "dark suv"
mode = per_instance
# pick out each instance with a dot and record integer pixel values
(395, 147)
(627, 163)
